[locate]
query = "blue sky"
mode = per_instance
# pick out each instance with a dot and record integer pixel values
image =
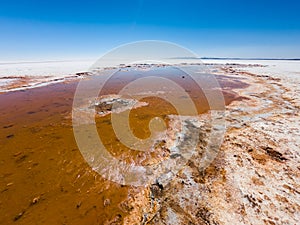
(39, 30)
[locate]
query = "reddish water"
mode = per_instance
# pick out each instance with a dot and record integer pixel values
(44, 178)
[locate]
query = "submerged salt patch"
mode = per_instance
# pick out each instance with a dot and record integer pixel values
(115, 104)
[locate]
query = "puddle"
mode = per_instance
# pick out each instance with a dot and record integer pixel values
(44, 178)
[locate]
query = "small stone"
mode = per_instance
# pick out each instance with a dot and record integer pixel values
(35, 200)
(106, 202)
(17, 154)
(78, 205)
(19, 216)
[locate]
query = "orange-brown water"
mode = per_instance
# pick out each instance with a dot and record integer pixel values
(43, 177)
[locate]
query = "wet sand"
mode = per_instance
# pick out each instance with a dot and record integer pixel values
(44, 178)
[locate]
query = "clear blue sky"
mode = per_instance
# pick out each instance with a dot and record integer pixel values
(33, 30)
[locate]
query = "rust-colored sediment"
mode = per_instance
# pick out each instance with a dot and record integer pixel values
(44, 178)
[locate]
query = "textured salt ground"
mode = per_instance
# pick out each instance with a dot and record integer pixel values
(255, 178)
(17, 75)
